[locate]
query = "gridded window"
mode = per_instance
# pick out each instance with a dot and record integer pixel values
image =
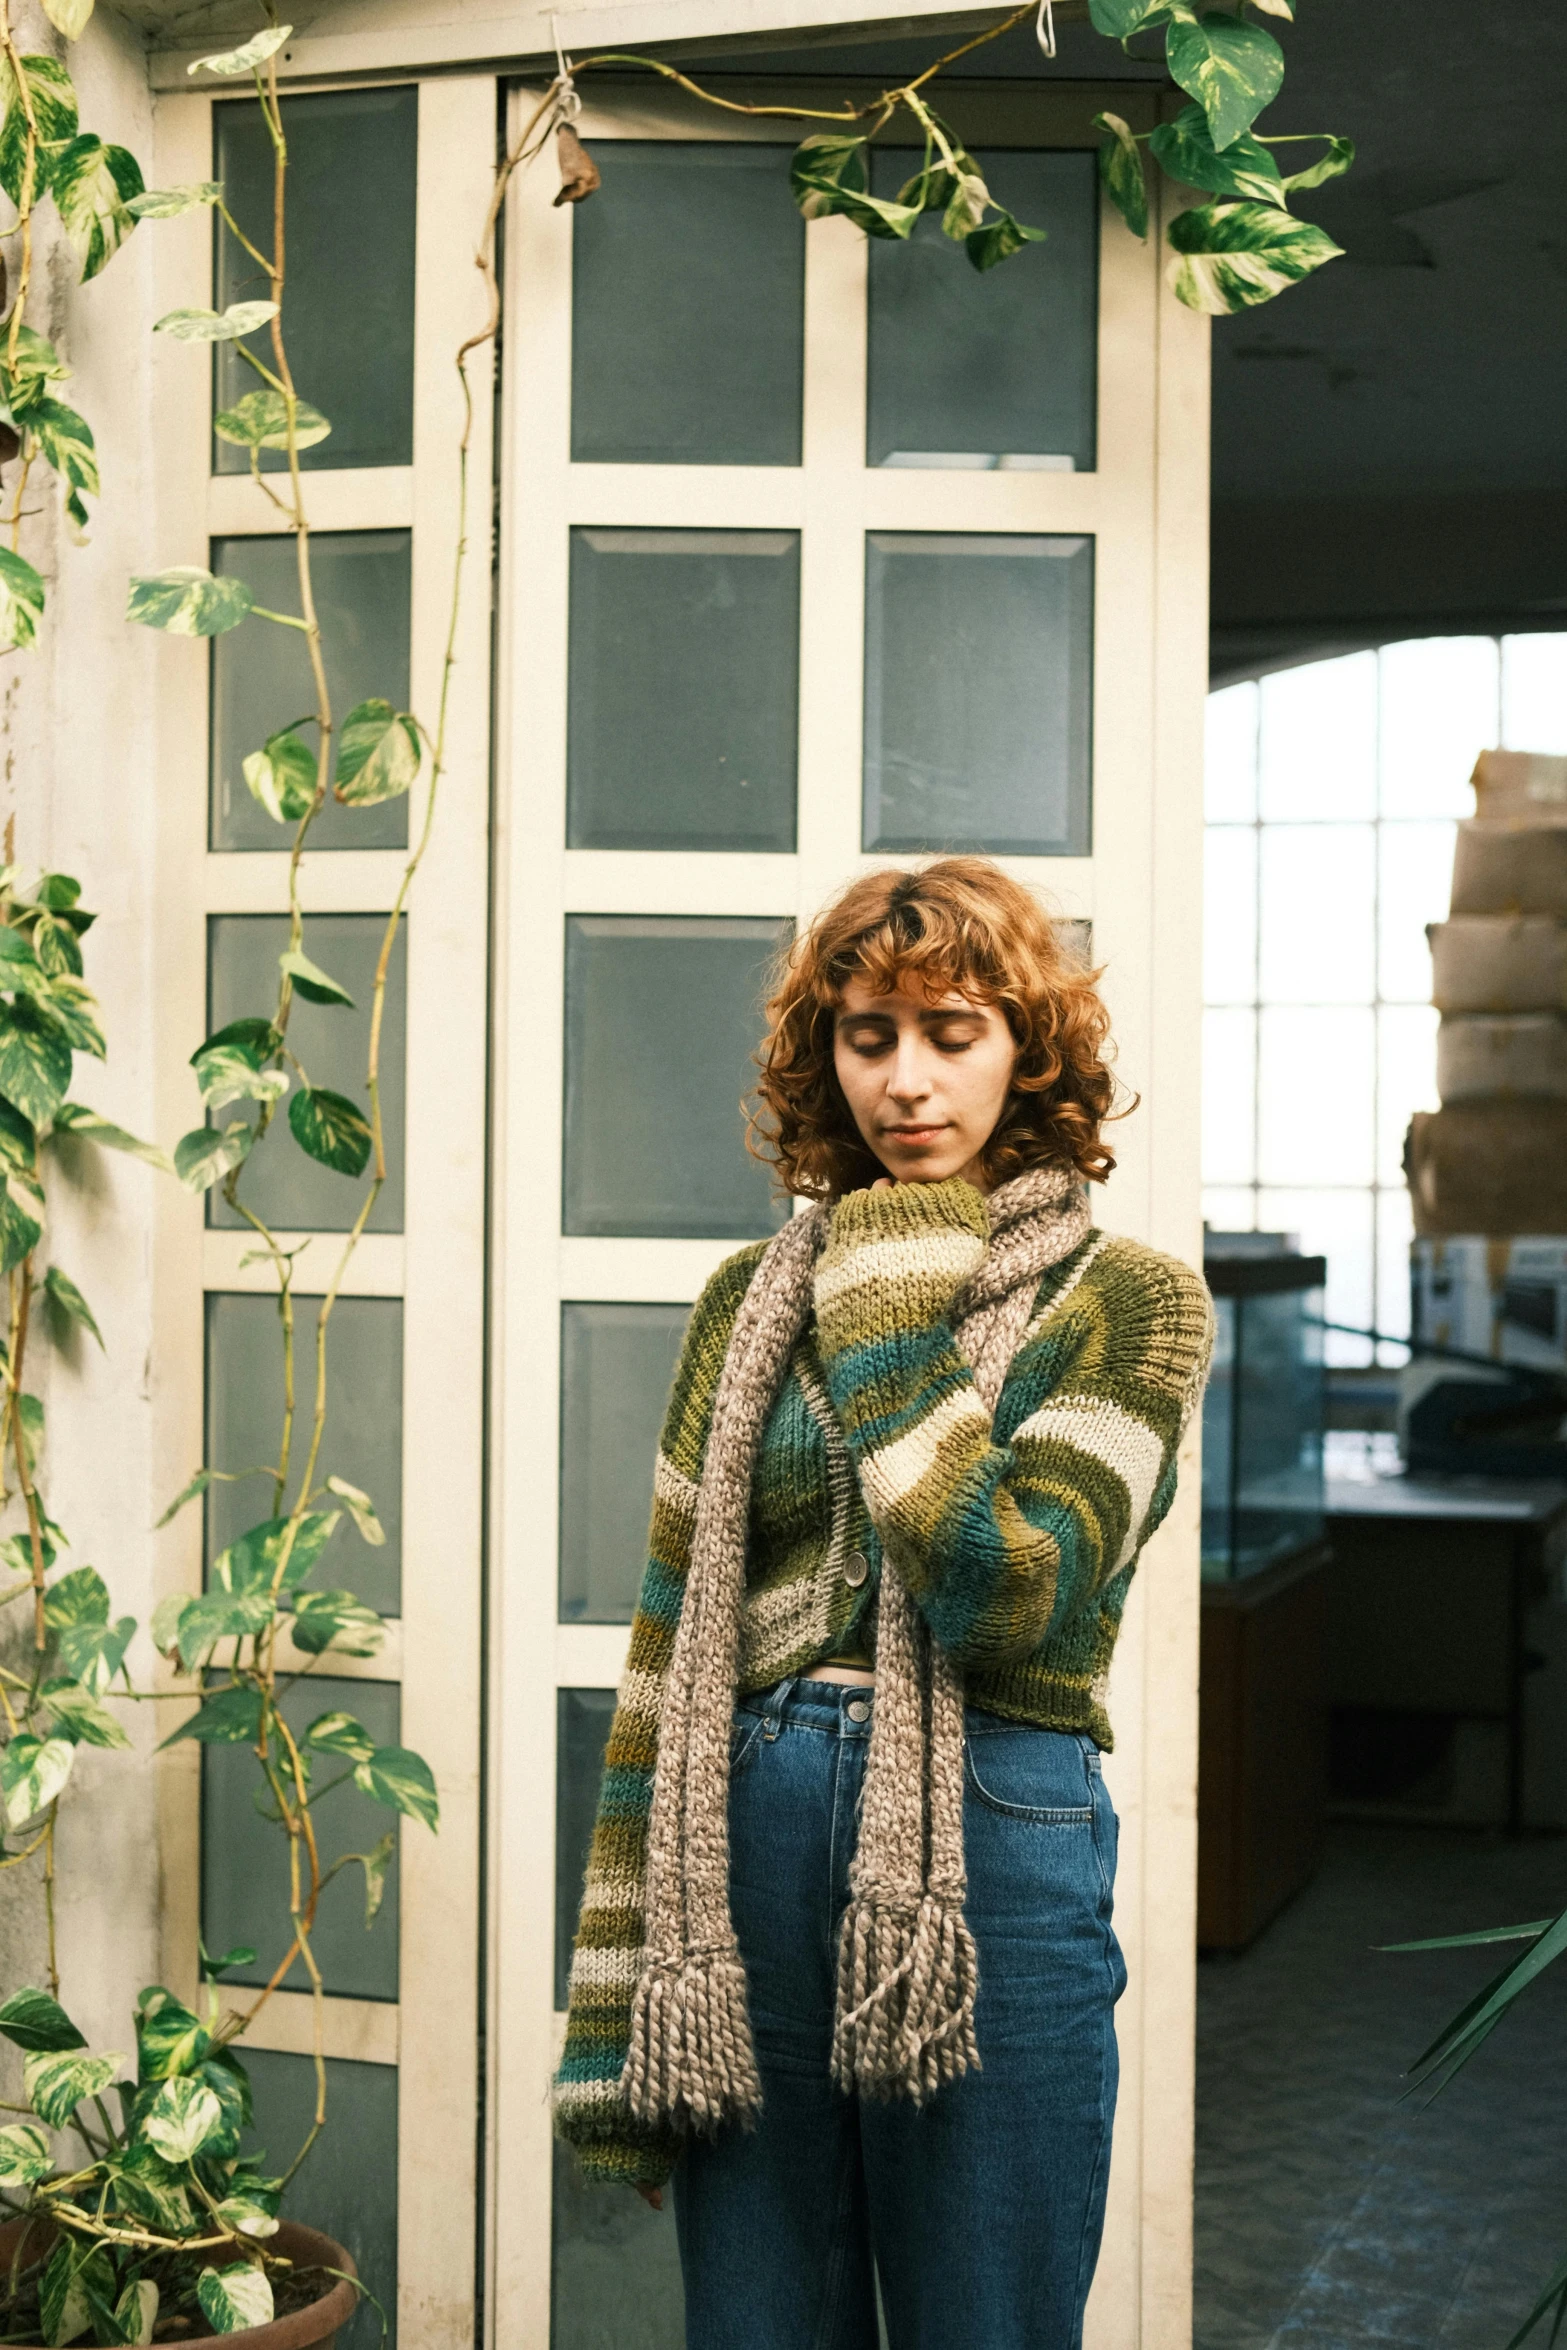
(685, 672)
(978, 692)
(346, 2182)
(994, 369)
(348, 308)
(261, 677)
(617, 1365)
(688, 307)
(662, 1016)
(293, 1193)
(364, 1430)
(244, 1860)
(1332, 795)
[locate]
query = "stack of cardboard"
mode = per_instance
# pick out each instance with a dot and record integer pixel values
(1493, 1158)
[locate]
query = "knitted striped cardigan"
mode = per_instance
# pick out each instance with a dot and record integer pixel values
(1016, 1536)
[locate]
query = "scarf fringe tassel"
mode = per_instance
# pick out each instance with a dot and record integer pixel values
(692, 2059)
(907, 1977)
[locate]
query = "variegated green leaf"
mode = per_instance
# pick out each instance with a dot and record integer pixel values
(181, 2118)
(220, 1615)
(74, 1007)
(245, 2217)
(331, 1129)
(69, 1303)
(260, 421)
(227, 1073)
(1230, 257)
(35, 1060)
(63, 2304)
(234, 2298)
(402, 1780)
(229, 1717)
(53, 98)
(282, 777)
(336, 1622)
(33, 1771)
(1246, 168)
(252, 1562)
(25, 2155)
(1121, 173)
(1338, 159)
(169, 203)
(360, 1508)
(340, 1733)
(136, 2313)
(75, 1118)
(310, 981)
(1284, 8)
(69, 17)
(188, 601)
(32, 2020)
(1231, 67)
(153, 2190)
(375, 1864)
(56, 2084)
(77, 1714)
(92, 185)
(1119, 19)
(245, 60)
(215, 326)
(204, 1156)
(377, 755)
(21, 599)
(999, 239)
(21, 1216)
(170, 2040)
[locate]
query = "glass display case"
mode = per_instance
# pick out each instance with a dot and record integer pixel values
(1263, 1412)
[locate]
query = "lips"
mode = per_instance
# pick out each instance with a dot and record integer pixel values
(912, 1134)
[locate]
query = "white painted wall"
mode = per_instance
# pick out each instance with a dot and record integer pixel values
(76, 775)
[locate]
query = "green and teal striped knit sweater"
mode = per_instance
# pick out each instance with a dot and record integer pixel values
(1016, 1537)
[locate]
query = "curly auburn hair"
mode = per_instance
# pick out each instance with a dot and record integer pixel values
(960, 923)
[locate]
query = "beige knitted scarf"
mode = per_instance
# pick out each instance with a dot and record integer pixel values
(906, 1966)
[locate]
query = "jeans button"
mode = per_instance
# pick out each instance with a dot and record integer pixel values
(857, 1710)
(855, 1569)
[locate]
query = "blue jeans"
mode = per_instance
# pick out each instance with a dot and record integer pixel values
(982, 2213)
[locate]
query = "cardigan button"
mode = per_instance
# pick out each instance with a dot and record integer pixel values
(855, 1569)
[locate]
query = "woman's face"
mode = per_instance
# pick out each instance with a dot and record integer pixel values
(925, 1082)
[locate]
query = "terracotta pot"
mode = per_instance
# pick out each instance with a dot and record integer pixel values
(312, 2328)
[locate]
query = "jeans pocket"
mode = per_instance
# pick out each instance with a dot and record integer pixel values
(747, 1729)
(1039, 1778)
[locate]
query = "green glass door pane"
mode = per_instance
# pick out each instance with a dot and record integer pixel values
(364, 1428)
(617, 1365)
(291, 1192)
(348, 303)
(615, 2269)
(688, 307)
(978, 693)
(347, 2184)
(582, 1719)
(662, 1016)
(994, 368)
(261, 678)
(244, 1858)
(684, 689)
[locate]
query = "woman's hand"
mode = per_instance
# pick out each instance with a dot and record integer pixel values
(653, 2197)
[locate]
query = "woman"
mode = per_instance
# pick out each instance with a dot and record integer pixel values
(845, 1967)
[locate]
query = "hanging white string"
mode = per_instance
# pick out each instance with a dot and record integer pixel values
(568, 100)
(1045, 28)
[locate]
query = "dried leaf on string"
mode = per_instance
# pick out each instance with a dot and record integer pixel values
(579, 174)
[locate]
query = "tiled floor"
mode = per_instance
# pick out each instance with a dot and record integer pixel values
(1330, 2211)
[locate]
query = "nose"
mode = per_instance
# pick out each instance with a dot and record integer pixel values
(908, 1080)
